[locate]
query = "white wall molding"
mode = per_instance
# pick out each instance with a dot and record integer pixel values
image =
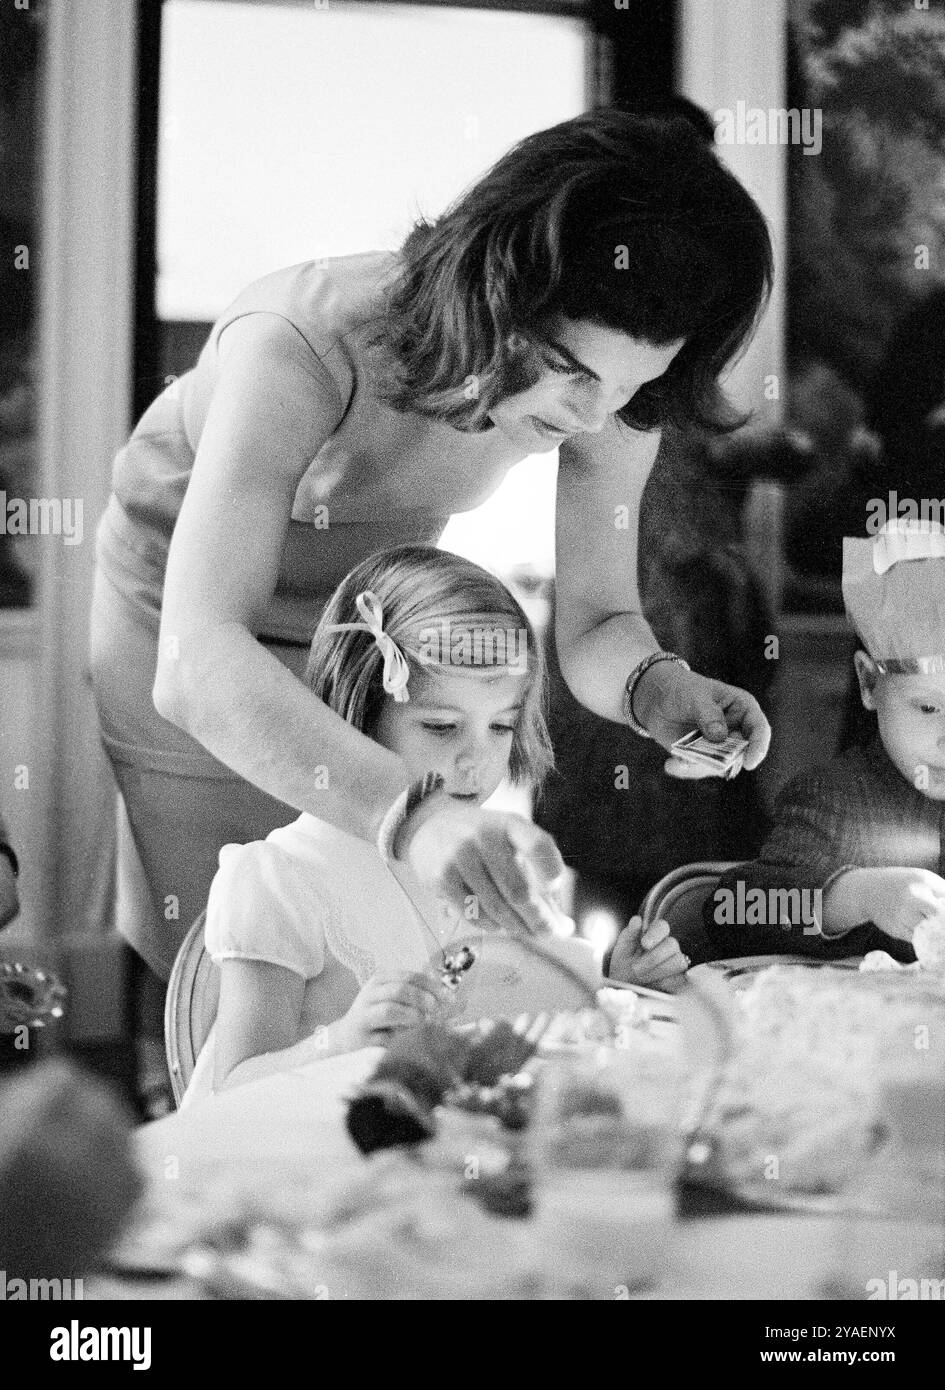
(731, 51)
(85, 265)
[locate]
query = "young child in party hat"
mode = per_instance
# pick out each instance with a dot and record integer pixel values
(855, 861)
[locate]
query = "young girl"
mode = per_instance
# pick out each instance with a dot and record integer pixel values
(327, 944)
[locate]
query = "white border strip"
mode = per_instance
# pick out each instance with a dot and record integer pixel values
(85, 267)
(731, 51)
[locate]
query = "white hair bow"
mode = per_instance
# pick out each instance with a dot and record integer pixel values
(396, 671)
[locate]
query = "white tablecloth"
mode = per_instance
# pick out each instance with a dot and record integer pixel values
(296, 1116)
(260, 1133)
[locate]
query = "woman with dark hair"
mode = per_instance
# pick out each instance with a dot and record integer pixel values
(588, 289)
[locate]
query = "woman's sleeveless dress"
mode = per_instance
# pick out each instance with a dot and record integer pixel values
(382, 478)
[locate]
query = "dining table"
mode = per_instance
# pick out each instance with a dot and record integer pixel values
(260, 1138)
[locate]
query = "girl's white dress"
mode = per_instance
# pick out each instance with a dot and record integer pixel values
(322, 902)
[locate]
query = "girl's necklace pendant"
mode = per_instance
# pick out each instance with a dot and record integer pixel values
(455, 965)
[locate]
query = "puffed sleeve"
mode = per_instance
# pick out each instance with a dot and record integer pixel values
(263, 905)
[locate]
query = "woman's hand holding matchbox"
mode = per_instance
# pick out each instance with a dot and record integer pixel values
(680, 708)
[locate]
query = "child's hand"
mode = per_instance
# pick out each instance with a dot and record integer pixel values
(654, 959)
(389, 1002)
(897, 900)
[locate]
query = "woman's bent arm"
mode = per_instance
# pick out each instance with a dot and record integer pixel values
(601, 632)
(270, 413)
(272, 409)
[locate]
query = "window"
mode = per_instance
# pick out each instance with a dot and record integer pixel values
(293, 131)
(290, 131)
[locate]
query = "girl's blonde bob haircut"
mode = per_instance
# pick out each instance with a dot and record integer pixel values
(427, 594)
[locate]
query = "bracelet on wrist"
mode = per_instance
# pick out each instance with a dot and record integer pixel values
(633, 681)
(401, 811)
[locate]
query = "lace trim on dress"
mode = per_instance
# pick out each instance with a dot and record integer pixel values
(361, 963)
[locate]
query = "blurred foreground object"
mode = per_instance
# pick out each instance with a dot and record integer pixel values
(395, 1106)
(67, 1178)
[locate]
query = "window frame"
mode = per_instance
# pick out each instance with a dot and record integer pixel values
(631, 52)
